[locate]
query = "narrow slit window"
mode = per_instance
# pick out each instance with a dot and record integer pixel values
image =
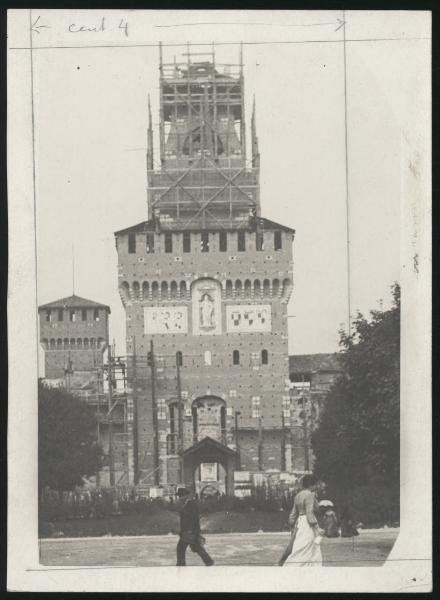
(204, 242)
(96, 314)
(83, 314)
(264, 357)
(187, 241)
(132, 243)
(60, 314)
(179, 358)
(72, 316)
(241, 241)
(150, 243)
(48, 316)
(236, 357)
(168, 243)
(277, 240)
(259, 241)
(223, 241)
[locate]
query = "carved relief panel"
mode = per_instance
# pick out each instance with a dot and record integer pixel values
(168, 319)
(246, 318)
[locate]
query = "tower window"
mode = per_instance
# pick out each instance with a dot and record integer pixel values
(132, 243)
(96, 314)
(72, 316)
(259, 240)
(149, 243)
(264, 357)
(223, 419)
(187, 241)
(236, 357)
(223, 241)
(255, 407)
(161, 409)
(83, 314)
(48, 316)
(60, 314)
(241, 241)
(168, 243)
(204, 242)
(277, 240)
(179, 358)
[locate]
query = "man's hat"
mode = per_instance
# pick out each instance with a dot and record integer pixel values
(182, 492)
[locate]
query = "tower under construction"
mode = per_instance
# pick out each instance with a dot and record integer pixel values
(205, 281)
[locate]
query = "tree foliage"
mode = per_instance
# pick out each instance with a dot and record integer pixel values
(357, 441)
(67, 445)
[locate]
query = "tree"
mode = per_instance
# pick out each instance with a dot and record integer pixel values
(357, 441)
(67, 445)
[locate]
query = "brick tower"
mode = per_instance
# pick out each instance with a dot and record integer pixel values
(205, 283)
(73, 334)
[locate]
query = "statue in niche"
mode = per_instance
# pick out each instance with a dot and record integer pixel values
(207, 312)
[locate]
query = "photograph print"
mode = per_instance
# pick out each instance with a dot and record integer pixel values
(219, 218)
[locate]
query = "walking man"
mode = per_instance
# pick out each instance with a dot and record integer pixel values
(190, 530)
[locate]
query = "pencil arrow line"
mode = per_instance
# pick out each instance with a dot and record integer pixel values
(341, 24)
(35, 27)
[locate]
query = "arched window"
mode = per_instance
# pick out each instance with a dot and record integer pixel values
(79, 343)
(125, 290)
(195, 423)
(238, 287)
(228, 288)
(223, 420)
(208, 358)
(100, 342)
(173, 289)
(59, 343)
(257, 287)
(145, 289)
(275, 287)
(172, 443)
(264, 357)
(72, 343)
(136, 290)
(155, 290)
(247, 288)
(286, 287)
(52, 344)
(86, 342)
(183, 288)
(266, 287)
(92, 343)
(66, 342)
(164, 289)
(179, 358)
(45, 342)
(236, 357)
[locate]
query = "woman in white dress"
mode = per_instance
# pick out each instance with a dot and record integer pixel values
(306, 534)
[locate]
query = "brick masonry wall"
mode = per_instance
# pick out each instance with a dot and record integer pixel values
(60, 333)
(235, 384)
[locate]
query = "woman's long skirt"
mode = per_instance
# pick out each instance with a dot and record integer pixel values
(305, 553)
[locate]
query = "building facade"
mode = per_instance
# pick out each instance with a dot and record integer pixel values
(311, 377)
(74, 335)
(205, 281)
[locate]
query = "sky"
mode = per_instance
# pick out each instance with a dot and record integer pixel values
(90, 116)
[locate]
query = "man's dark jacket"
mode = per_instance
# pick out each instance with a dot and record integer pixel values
(189, 517)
